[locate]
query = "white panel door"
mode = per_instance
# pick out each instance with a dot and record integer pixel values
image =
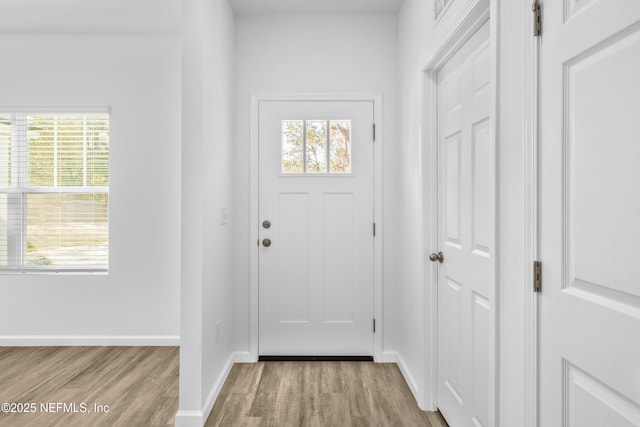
(316, 192)
(590, 214)
(466, 194)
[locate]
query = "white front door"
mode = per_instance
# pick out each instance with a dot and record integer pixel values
(466, 194)
(316, 228)
(590, 214)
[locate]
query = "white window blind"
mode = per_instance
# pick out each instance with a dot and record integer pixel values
(54, 191)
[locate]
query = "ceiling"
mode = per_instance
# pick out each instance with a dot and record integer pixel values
(144, 16)
(323, 6)
(92, 16)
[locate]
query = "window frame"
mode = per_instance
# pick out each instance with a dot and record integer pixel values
(328, 172)
(16, 255)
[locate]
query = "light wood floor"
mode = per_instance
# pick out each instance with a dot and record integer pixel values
(140, 386)
(335, 394)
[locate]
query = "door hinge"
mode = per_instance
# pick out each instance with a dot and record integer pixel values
(374, 132)
(374, 229)
(537, 276)
(374, 325)
(537, 18)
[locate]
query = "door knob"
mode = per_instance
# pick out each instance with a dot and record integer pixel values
(437, 257)
(266, 243)
(266, 223)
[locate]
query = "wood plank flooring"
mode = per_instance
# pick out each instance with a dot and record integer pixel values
(335, 394)
(139, 384)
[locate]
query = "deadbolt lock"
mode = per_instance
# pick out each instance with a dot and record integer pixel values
(437, 257)
(266, 243)
(266, 224)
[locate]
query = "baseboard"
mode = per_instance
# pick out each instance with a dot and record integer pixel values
(217, 386)
(199, 418)
(189, 419)
(394, 357)
(244, 357)
(89, 340)
(268, 358)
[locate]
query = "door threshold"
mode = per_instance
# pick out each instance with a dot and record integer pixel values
(315, 358)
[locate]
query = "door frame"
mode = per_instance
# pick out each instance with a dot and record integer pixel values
(254, 209)
(471, 19)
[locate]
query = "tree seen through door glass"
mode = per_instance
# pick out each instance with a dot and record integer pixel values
(316, 146)
(292, 145)
(340, 146)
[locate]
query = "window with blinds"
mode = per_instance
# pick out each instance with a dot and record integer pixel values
(54, 191)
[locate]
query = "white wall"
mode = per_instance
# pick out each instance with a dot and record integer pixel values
(272, 56)
(95, 16)
(207, 147)
(219, 103)
(138, 77)
(419, 36)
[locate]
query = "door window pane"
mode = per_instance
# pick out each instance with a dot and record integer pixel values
(340, 146)
(316, 143)
(292, 146)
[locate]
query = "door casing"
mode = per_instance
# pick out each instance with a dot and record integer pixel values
(254, 212)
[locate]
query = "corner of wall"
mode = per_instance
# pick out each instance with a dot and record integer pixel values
(207, 277)
(395, 357)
